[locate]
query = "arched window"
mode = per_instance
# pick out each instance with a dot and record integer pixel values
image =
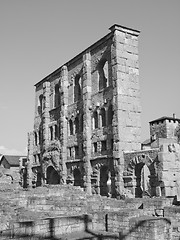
(103, 74)
(56, 96)
(56, 132)
(40, 137)
(71, 130)
(76, 150)
(51, 133)
(40, 104)
(77, 88)
(103, 117)
(110, 114)
(76, 122)
(95, 120)
(35, 139)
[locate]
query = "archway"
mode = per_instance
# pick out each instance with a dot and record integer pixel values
(38, 182)
(77, 177)
(143, 177)
(142, 174)
(103, 181)
(52, 176)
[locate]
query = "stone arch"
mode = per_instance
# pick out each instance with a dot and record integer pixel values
(52, 176)
(142, 170)
(145, 159)
(99, 179)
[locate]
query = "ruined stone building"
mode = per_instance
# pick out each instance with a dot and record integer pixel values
(87, 128)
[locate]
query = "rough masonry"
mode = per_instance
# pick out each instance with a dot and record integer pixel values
(87, 126)
(87, 113)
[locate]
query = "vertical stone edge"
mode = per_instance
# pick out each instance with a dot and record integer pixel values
(87, 120)
(126, 98)
(63, 121)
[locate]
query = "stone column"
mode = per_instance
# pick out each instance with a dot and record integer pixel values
(45, 114)
(126, 96)
(30, 158)
(87, 120)
(63, 121)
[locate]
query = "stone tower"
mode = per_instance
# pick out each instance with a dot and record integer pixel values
(87, 113)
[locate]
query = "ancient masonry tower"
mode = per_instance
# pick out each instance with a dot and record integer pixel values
(87, 112)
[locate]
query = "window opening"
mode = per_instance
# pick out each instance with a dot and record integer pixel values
(76, 149)
(56, 96)
(77, 88)
(35, 139)
(71, 127)
(76, 125)
(110, 114)
(95, 147)
(51, 133)
(103, 146)
(95, 120)
(103, 117)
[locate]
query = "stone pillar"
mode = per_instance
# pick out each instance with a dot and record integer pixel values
(63, 121)
(45, 114)
(87, 120)
(30, 159)
(126, 96)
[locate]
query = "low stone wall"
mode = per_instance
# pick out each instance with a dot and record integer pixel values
(64, 210)
(148, 228)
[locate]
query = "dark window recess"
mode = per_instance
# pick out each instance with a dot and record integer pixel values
(103, 146)
(71, 127)
(51, 133)
(76, 148)
(95, 147)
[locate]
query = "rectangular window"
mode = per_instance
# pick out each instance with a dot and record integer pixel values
(56, 132)
(103, 146)
(35, 159)
(76, 149)
(95, 147)
(51, 133)
(70, 151)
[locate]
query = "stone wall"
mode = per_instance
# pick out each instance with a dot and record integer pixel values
(68, 212)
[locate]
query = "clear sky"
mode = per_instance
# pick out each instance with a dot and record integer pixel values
(38, 36)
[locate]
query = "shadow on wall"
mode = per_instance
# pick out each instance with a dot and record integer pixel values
(81, 235)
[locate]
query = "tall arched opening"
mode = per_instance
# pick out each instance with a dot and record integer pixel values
(103, 181)
(38, 182)
(77, 177)
(52, 176)
(142, 174)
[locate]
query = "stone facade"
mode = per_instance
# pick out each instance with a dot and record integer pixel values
(155, 171)
(87, 126)
(87, 112)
